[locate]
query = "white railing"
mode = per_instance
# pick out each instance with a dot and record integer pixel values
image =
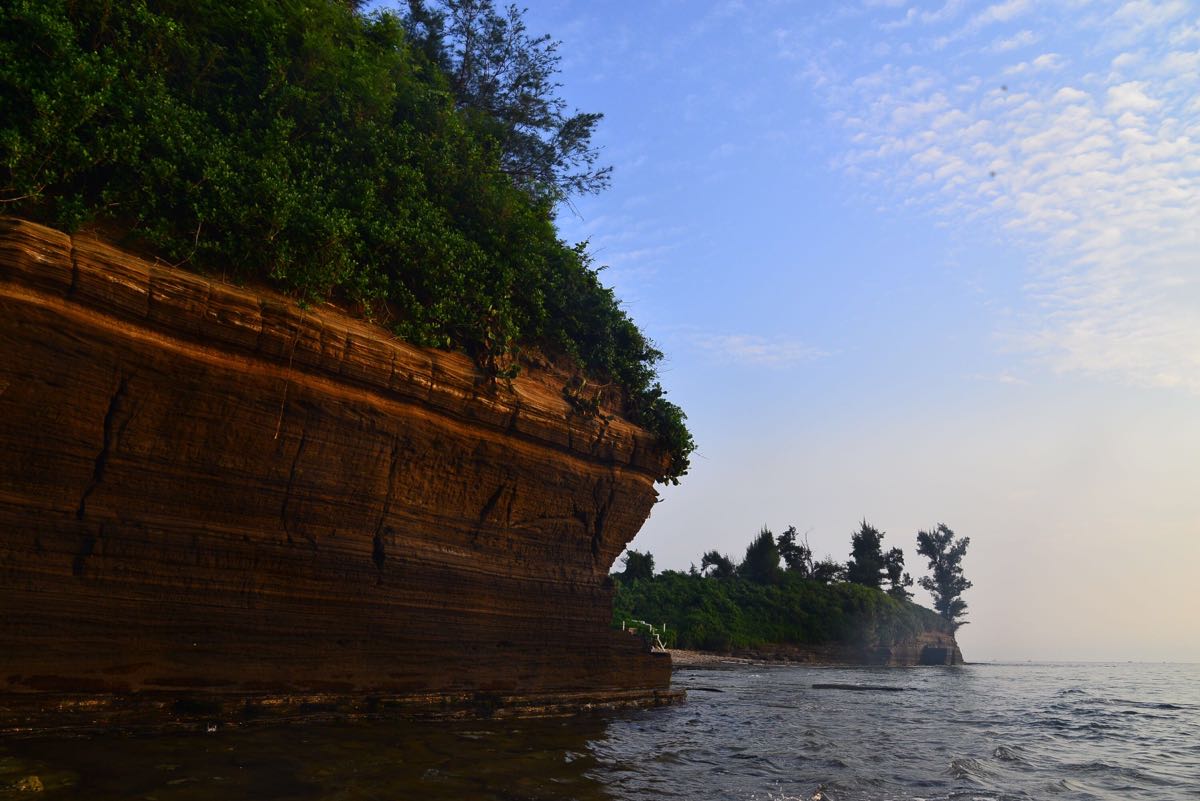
(642, 627)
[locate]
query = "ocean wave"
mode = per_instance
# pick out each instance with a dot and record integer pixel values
(969, 768)
(1108, 769)
(983, 733)
(1005, 753)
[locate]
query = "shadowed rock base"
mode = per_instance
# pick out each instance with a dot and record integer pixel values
(211, 496)
(46, 712)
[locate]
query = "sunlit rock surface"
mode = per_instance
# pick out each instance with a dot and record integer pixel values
(215, 502)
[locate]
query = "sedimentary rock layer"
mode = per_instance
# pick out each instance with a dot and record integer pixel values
(208, 491)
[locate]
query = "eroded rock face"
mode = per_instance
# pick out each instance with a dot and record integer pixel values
(930, 648)
(927, 648)
(210, 491)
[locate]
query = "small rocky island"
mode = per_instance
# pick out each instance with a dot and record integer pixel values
(217, 504)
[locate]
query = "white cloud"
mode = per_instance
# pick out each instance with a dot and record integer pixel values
(1002, 12)
(1097, 176)
(999, 12)
(949, 10)
(1044, 62)
(1023, 38)
(1125, 60)
(1130, 96)
(1070, 94)
(1143, 14)
(1049, 61)
(1182, 63)
(757, 350)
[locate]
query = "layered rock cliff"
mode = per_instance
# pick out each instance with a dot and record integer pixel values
(212, 493)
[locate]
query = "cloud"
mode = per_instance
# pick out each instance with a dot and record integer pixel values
(993, 14)
(757, 350)
(949, 10)
(1003, 377)
(1000, 12)
(1023, 38)
(1141, 15)
(1044, 62)
(629, 247)
(1130, 96)
(1095, 175)
(1069, 94)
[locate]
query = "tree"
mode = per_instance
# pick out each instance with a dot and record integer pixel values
(503, 78)
(637, 566)
(866, 565)
(828, 571)
(721, 566)
(947, 584)
(898, 580)
(761, 564)
(796, 555)
(333, 143)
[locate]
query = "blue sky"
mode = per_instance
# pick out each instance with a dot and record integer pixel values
(919, 263)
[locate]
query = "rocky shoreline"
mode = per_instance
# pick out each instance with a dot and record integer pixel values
(912, 654)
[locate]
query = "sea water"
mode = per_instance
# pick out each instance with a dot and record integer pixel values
(983, 731)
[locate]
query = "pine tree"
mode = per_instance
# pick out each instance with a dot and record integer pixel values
(898, 580)
(866, 565)
(947, 584)
(796, 555)
(721, 566)
(637, 566)
(503, 79)
(761, 564)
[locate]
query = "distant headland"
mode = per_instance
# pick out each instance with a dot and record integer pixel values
(781, 605)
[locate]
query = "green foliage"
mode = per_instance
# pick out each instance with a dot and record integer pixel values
(299, 141)
(761, 564)
(828, 571)
(717, 566)
(503, 80)
(637, 566)
(898, 580)
(724, 606)
(738, 613)
(947, 584)
(798, 556)
(866, 565)
(651, 634)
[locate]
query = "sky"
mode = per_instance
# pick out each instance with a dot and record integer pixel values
(919, 263)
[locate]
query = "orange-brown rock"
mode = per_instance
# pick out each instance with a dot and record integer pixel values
(213, 496)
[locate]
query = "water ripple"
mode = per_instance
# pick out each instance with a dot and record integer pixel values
(976, 733)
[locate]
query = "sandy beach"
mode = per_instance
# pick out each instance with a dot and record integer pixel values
(681, 658)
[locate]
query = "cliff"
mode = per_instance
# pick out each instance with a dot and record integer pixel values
(926, 648)
(214, 501)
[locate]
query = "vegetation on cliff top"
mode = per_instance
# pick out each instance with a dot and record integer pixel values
(343, 156)
(725, 605)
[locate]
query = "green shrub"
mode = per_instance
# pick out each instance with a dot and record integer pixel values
(718, 615)
(298, 141)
